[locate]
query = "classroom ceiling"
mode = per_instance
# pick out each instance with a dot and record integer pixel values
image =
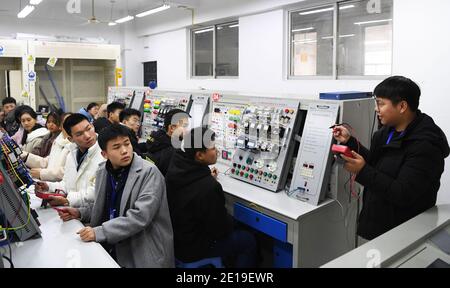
(104, 10)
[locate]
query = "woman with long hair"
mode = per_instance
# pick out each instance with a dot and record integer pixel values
(33, 133)
(53, 125)
(50, 168)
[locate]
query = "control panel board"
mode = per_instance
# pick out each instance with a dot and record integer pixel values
(199, 110)
(312, 169)
(132, 97)
(157, 104)
(254, 137)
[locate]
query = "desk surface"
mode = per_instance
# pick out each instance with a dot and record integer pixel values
(397, 240)
(276, 202)
(59, 246)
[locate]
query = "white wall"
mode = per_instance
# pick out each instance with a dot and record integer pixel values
(206, 10)
(421, 51)
(133, 70)
(421, 46)
(261, 53)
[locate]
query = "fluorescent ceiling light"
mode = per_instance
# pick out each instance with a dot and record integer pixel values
(153, 11)
(346, 7)
(303, 29)
(326, 10)
(204, 31)
(25, 11)
(305, 41)
(35, 2)
(317, 11)
(124, 19)
(112, 23)
(340, 36)
(234, 25)
(372, 22)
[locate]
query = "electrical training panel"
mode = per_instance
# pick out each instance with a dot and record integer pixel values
(156, 106)
(132, 97)
(21, 219)
(254, 136)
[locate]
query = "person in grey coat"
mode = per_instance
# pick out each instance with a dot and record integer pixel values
(130, 216)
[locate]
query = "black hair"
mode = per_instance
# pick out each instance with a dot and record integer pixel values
(26, 110)
(178, 114)
(111, 108)
(56, 116)
(8, 100)
(193, 143)
(399, 88)
(110, 133)
(92, 105)
(18, 110)
(30, 111)
(127, 113)
(73, 120)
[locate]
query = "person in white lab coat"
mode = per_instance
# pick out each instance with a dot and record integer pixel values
(82, 163)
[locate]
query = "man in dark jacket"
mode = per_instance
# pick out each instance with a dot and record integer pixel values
(202, 227)
(159, 146)
(113, 111)
(10, 124)
(131, 118)
(401, 172)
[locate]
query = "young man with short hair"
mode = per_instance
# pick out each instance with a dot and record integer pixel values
(401, 172)
(81, 165)
(159, 146)
(202, 227)
(130, 216)
(131, 118)
(9, 123)
(90, 112)
(113, 111)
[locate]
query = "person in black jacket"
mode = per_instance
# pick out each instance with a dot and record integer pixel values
(401, 172)
(159, 146)
(131, 118)
(113, 111)
(202, 227)
(9, 124)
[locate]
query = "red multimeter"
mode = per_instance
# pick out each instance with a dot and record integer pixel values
(45, 196)
(341, 149)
